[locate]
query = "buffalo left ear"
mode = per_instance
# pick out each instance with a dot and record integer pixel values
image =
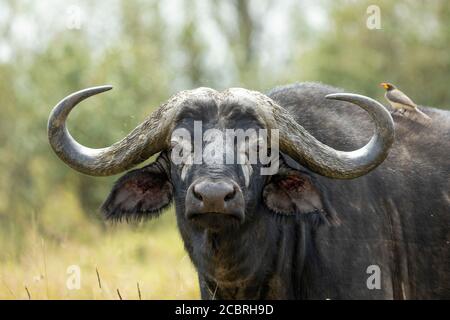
(292, 192)
(139, 194)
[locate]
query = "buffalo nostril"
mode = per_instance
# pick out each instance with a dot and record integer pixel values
(197, 195)
(230, 195)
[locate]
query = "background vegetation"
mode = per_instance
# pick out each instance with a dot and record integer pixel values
(149, 50)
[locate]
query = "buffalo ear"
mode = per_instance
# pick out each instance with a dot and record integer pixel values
(292, 192)
(139, 194)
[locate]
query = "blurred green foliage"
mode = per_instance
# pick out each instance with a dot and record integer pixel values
(157, 49)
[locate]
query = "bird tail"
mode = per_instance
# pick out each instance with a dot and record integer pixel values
(425, 116)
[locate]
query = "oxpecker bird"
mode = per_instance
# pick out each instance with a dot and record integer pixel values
(400, 101)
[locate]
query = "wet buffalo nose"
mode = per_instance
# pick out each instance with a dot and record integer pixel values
(214, 195)
(215, 203)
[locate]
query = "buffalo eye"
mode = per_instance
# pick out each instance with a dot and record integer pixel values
(139, 194)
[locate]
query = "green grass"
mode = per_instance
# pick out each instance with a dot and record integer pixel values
(150, 254)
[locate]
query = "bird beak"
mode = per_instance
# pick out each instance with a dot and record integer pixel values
(384, 85)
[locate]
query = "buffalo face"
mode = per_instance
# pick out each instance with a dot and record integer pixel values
(214, 194)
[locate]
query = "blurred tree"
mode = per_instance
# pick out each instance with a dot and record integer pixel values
(241, 38)
(410, 50)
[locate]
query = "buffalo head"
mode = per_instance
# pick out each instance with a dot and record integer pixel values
(218, 193)
(214, 197)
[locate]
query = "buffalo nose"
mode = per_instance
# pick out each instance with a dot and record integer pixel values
(214, 203)
(214, 195)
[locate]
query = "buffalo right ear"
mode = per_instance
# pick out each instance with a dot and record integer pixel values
(293, 192)
(140, 193)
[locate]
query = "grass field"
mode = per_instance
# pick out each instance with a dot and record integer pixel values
(149, 255)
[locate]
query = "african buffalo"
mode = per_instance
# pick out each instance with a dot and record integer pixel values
(326, 225)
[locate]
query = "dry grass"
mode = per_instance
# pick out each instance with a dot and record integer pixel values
(126, 262)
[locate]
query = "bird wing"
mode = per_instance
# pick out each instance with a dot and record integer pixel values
(399, 97)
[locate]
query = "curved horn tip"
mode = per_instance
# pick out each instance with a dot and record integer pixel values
(93, 90)
(84, 94)
(341, 96)
(99, 88)
(105, 87)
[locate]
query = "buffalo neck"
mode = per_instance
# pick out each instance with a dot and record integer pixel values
(253, 262)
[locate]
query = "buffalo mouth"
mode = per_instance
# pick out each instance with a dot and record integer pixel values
(216, 220)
